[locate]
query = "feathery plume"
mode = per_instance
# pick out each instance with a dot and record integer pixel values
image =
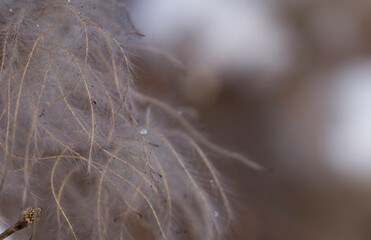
(78, 141)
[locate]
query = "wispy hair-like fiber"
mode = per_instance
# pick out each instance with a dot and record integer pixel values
(78, 141)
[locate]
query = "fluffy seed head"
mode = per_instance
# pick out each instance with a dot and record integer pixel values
(102, 160)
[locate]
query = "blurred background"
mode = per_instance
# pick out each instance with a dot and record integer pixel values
(285, 82)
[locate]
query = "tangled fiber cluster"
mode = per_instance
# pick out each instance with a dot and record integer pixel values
(101, 160)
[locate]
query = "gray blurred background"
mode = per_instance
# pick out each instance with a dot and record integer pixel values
(285, 82)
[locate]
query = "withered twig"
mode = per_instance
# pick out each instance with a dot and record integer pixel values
(28, 218)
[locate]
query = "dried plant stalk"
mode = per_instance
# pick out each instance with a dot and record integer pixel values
(27, 218)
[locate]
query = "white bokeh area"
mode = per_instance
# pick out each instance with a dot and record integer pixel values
(347, 138)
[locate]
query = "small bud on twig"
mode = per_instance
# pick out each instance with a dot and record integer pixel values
(28, 218)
